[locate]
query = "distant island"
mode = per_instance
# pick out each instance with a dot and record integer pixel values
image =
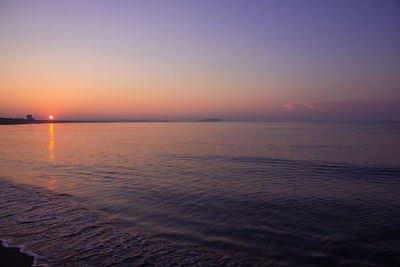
(210, 120)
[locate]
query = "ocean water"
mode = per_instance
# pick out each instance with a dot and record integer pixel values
(209, 194)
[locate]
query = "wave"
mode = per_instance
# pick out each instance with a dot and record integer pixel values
(60, 232)
(210, 210)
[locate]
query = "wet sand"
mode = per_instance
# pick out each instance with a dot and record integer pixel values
(14, 257)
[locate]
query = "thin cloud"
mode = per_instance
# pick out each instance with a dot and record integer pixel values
(306, 106)
(343, 110)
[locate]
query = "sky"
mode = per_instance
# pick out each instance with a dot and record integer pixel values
(257, 60)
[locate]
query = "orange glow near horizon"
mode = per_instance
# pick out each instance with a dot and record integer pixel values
(51, 117)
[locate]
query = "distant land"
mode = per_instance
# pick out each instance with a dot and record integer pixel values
(4, 121)
(26, 121)
(210, 120)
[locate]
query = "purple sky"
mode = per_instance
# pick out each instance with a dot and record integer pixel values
(239, 60)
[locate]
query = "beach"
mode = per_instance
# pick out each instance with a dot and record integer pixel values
(11, 256)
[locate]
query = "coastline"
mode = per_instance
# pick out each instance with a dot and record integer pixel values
(12, 121)
(13, 256)
(9, 121)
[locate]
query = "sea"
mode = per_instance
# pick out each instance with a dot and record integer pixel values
(202, 194)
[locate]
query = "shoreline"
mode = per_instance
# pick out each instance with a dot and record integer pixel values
(13, 256)
(109, 240)
(13, 121)
(9, 121)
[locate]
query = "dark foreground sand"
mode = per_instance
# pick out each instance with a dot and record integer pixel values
(10, 257)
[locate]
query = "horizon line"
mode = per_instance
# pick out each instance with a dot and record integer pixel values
(3, 120)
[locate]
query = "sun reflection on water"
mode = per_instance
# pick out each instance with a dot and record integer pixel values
(51, 143)
(51, 183)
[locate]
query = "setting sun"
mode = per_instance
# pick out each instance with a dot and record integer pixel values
(51, 117)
